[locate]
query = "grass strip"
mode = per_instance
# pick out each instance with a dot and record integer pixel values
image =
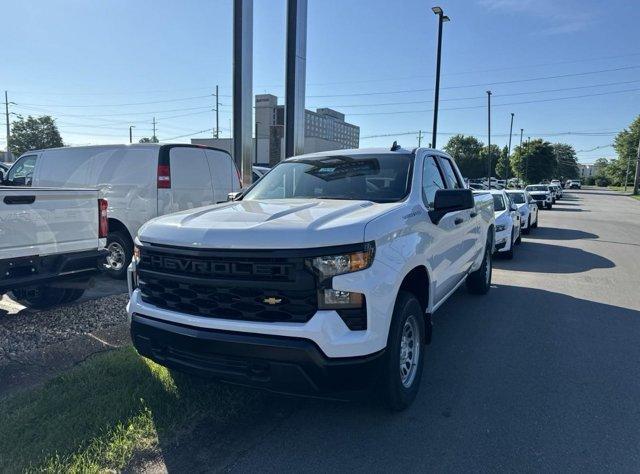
(94, 417)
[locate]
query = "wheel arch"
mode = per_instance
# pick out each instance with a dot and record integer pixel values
(116, 225)
(417, 282)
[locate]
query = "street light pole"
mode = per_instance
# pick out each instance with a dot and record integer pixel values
(521, 132)
(489, 137)
(131, 127)
(441, 19)
(509, 152)
(636, 181)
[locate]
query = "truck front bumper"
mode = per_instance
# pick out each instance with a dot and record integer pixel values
(24, 272)
(276, 363)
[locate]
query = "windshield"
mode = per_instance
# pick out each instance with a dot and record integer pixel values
(537, 188)
(377, 178)
(498, 202)
(518, 198)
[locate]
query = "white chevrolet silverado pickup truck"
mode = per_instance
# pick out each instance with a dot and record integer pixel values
(321, 278)
(50, 243)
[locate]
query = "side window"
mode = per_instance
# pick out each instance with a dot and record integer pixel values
(450, 176)
(431, 180)
(21, 173)
(189, 169)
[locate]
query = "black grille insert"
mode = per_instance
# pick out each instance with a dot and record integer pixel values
(228, 285)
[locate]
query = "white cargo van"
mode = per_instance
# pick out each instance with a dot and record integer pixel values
(139, 181)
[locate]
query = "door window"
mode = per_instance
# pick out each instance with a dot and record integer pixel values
(450, 176)
(21, 173)
(431, 180)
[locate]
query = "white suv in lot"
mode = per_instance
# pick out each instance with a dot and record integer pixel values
(322, 278)
(541, 194)
(527, 208)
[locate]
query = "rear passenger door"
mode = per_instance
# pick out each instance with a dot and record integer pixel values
(190, 179)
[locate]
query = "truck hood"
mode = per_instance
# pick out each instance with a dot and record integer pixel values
(267, 224)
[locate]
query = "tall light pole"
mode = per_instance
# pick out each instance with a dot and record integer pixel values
(509, 152)
(6, 111)
(636, 180)
(131, 127)
(521, 132)
(489, 137)
(441, 19)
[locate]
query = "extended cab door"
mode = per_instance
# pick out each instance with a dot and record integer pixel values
(453, 247)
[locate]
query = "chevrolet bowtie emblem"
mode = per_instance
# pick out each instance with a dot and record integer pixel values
(272, 300)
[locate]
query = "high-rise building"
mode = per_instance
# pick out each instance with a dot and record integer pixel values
(325, 129)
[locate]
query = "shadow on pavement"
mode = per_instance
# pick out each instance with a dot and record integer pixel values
(554, 233)
(567, 209)
(544, 258)
(519, 380)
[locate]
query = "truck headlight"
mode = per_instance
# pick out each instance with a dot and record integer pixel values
(500, 227)
(332, 265)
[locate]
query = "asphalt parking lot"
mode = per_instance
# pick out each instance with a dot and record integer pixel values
(542, 374)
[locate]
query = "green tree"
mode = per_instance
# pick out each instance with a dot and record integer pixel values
(34, 133)
(466, 151)
(534, 161)
(626, 146)
(567, 161)
(503, 167)
(495, 156)
(153, 139)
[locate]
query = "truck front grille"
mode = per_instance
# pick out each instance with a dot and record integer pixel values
(228, 285)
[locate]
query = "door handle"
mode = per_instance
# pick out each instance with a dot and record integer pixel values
(458, 221)
(473, 214)
(23, 199)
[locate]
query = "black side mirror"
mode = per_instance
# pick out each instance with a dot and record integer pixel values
(450, 200)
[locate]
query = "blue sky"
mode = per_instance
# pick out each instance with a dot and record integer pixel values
(84, 62)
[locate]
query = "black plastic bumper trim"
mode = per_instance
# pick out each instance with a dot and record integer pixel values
(276, 363)
(37, 270)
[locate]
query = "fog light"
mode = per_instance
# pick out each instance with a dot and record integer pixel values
(338, 299)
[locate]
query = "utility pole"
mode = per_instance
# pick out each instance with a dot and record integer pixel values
(131, 127)
(636, 181)
(6, 118)
(509, 152)
(419, 138)
(154, 128)
(521, 132)
(217, 135)
(489, 137)
(626, 175)
(441, 19)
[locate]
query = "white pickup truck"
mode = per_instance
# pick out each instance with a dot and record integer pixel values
(322, 278)
(50, 243)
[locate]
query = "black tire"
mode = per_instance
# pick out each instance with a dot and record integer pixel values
(407, 312)
(121, 251)
(72, 294)
(519, 239)
(528, 229)
(479, 282)
(509, 253)
(39, 297)
(535, 226)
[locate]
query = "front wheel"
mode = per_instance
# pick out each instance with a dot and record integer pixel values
(404, 360)
(479, 282)
(528, 229)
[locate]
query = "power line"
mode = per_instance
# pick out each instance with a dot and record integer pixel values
(399, 112)
(542, 91)
(514, 81)
(188, 134)
(119, 105)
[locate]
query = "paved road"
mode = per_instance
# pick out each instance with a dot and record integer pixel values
(542, 374)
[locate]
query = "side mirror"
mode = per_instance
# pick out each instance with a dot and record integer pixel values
(237, 195)
(450, 200)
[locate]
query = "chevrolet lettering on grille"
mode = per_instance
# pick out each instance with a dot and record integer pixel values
(212, 267)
